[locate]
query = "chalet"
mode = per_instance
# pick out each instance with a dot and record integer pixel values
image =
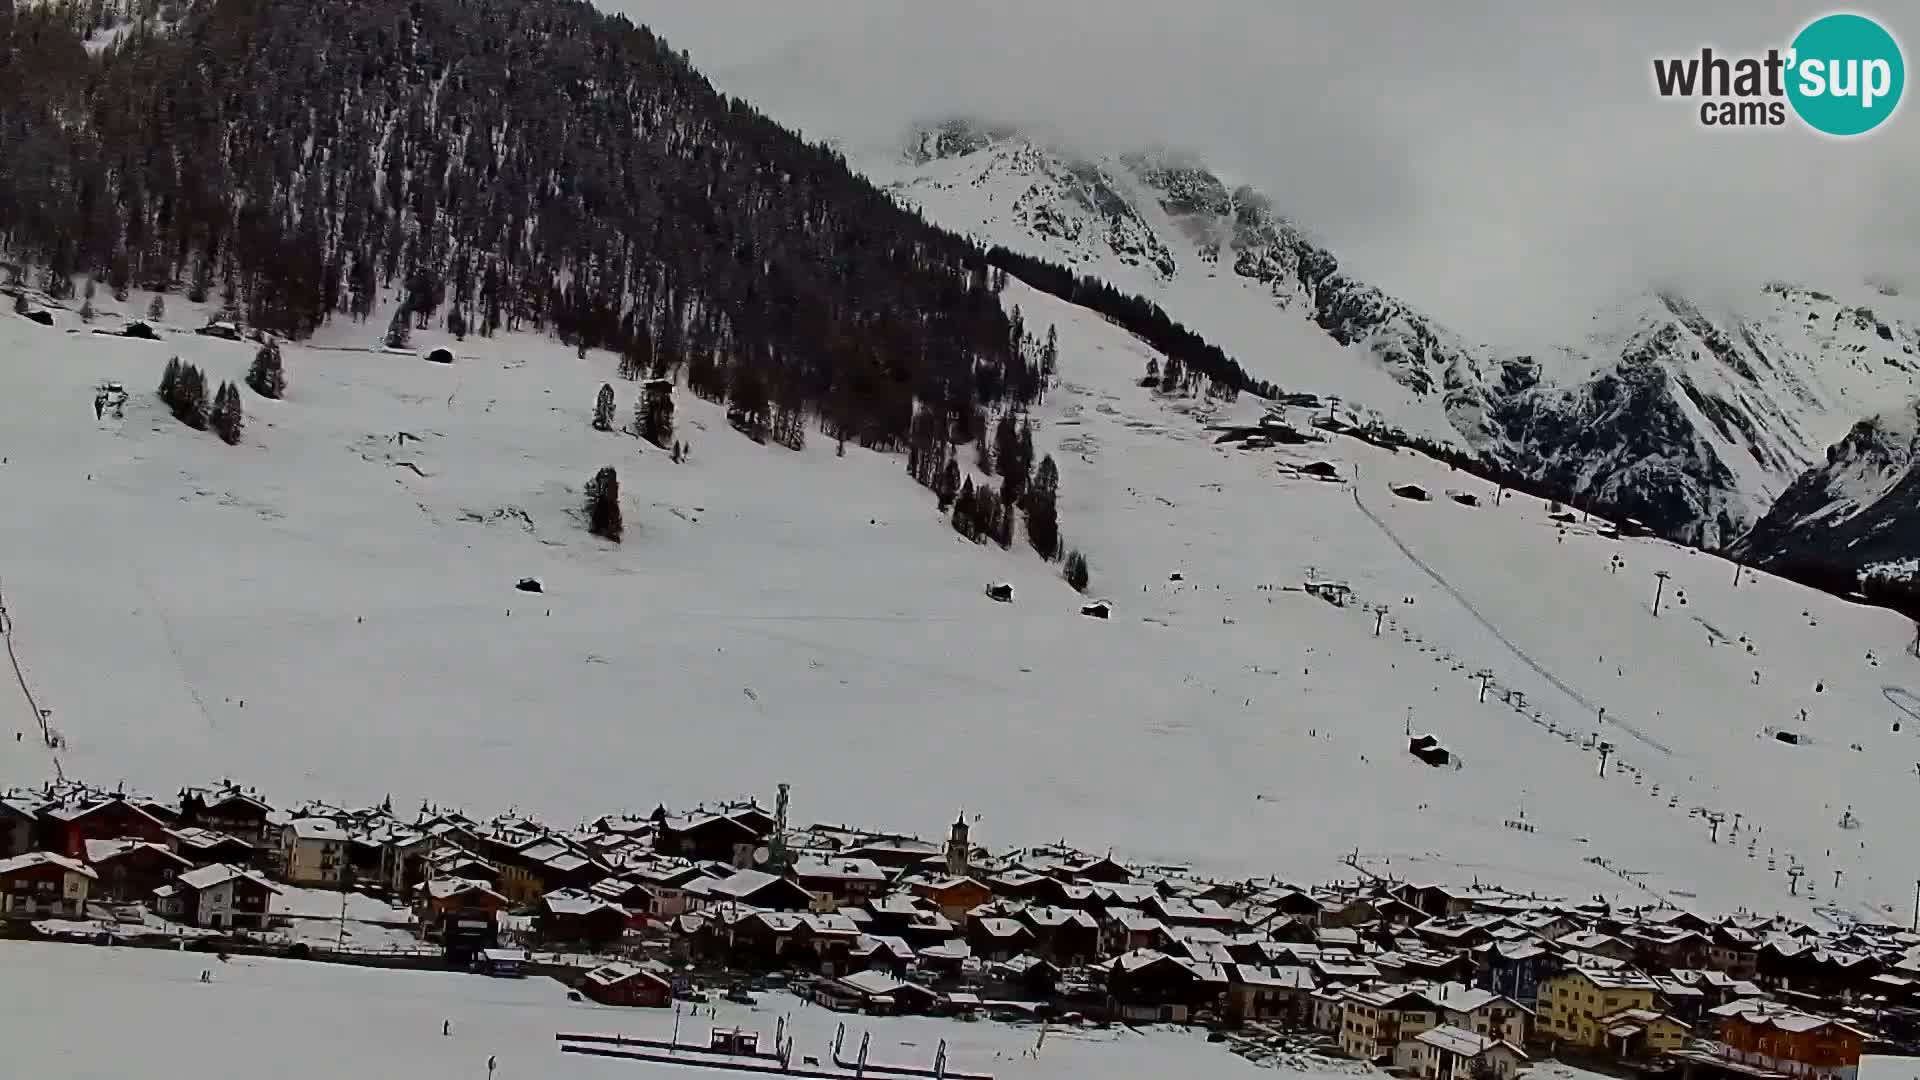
(1514, 968)
(1459, 931)
(880, 953)
(725, 838)
(1415, 964)
(1102, 870)
(896, 852)
(1484, 1012)
(1175, 912)
(574, 917)
(879, 993)
(1152, 986)
(501, 963)
(1098, 609)
(1324, 470)
(68, 828)
(234, 811)
(1666, 947)
(1257, 992)
(1374, 1023)
(631, 985)
(834, 882)
(756, 889)
(1642, 1033)
(997, 939)
(313, 851)
(131, 869)
(447, 900)
(954, 896)
(1429, 749)
(18, 819)
(202, 846)
(42, 884)
(1593, 943)
(1000, 591)
(765, 940)
(1734, 951)
(1062, 934)
(1571, 1003)
(1037, 975)
(1410, 491)
(1786, 1041)
(1447, 1052)
(219, 897)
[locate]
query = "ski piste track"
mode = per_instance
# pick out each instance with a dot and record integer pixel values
(1903, 699)
(1521, 654)
(39, 714)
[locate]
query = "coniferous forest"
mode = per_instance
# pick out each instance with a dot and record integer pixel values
(494, 164)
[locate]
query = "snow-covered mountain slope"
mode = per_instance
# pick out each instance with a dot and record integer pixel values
(1691, 416)
(1860, 509)
(328, 610)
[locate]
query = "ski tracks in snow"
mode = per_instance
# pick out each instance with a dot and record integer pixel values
(1538, 669)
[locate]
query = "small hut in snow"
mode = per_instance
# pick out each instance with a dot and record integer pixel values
(441, 355)
(1428, 749)
(1099, 609)
(1410, 491)
(1000, 591)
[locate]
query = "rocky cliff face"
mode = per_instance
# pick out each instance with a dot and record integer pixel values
(1860, 508)
(1694, 417)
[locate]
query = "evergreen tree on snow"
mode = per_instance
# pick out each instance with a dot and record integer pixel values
(20, 305)
(157, 309)
(268, 376)
(656, 412)
(1076, 571)
(227, 421)
(948, 484)
(1043, 514)
(603, 409)
(169, 379)
(603, 505)
(400, 329)
(186, 394)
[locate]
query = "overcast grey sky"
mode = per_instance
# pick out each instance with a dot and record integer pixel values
(1503, 165)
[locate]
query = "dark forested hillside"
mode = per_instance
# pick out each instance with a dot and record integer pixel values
(493, 164)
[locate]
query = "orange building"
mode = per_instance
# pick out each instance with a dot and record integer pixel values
(1790, 1042)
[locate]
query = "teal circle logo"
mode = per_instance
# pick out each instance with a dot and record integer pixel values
(1846, 74)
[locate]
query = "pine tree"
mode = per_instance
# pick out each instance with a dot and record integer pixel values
(948, 484)
(188, 396)
(227, 420)
(400, 330)
(86, 310)
(1050, 353)
(603, 409)
(1076, 571)
(1043, 515)
(1172, 375)
(20, 304)
(157, 308)
(268, 376)
(456, 323)
(170, 381)
(656, 412)
(603, 505)
(964, 511)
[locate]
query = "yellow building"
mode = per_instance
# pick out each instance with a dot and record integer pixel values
(1575, 1005)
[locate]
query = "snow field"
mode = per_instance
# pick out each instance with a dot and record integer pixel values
(800, 617)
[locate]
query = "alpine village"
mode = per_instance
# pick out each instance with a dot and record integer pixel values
(1422, 979)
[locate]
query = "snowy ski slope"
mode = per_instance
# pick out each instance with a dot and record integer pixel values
(778, 616)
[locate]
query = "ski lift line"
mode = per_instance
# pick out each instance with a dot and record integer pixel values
(1517, 651)
(1903, 699)
(39, 714)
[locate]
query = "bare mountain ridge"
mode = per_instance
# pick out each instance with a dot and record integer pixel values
(1690, 415)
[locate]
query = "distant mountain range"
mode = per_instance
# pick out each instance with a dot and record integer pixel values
(1693, 417)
